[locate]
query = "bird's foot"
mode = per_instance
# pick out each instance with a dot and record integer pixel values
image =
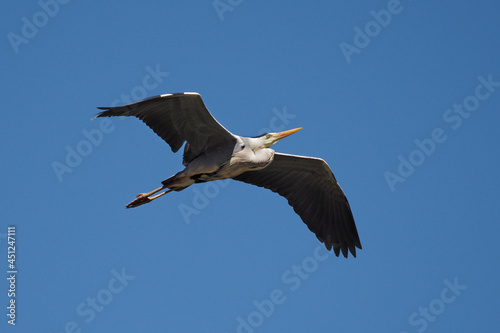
(142, 198)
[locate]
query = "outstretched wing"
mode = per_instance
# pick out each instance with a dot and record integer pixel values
(312, 191)
(177, 118)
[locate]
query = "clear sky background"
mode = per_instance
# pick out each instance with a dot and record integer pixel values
(401, 99)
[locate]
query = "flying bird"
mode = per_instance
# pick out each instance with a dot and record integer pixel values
(212, 153)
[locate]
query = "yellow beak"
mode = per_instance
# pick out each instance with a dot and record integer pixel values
(281, 135)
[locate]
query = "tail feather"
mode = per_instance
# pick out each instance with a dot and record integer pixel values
(169, 180)
(177, 182)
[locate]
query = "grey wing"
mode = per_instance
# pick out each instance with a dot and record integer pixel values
(177, 118)
(313, 192)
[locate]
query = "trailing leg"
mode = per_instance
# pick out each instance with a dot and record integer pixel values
(143, 198)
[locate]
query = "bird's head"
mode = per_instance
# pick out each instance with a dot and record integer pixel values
(270, 139)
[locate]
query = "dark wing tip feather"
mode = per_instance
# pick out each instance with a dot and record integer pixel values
(107, 113)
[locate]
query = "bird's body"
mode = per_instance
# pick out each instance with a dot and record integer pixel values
(213, 153)
(218, 163)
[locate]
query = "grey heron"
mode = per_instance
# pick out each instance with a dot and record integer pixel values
(212, 153)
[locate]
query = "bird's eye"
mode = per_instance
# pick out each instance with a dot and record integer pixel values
(268, 136)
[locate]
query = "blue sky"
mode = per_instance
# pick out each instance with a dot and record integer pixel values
(400, 98)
